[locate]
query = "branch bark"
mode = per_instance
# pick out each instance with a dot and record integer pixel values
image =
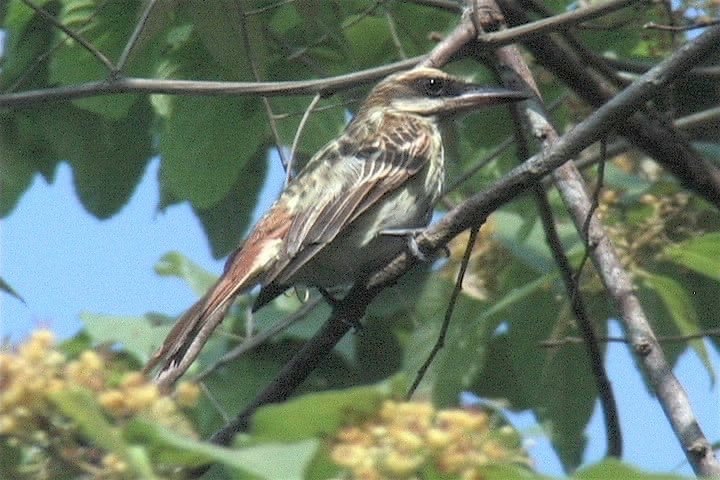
(532, 118)
(474, 211)
(117, 84)
(642, 129)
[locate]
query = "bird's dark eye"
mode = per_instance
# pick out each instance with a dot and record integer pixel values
(434, 86)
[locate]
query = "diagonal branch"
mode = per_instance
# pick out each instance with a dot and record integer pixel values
(650, 135)
(75, 36)
(474, 211)
(516, 75)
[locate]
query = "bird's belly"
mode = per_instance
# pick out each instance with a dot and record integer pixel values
(362, 248)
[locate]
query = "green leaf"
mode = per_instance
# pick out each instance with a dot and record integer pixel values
(108, 157)
(28, 37)
(205, 145)
(5, 287)
(555, 383)
(227, 221)
(529, 245)
(413, 22)
(370, 41)
(677, 301)
(139, 336)
(612, 468)
(699, 254)
(319, 414)
(219, 25)
(80, 406)
(456, 365)
(268, 460)
(107, 28)
(23, 153)
(11, 459)
(175, 264)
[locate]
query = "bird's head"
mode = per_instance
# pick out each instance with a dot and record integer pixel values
(431, 92)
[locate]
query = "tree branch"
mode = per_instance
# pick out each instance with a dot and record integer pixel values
(474, 211)
(619, 284)
(653, 137)
(324, 87)
(516, 75)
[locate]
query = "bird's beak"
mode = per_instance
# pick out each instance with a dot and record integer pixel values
(471, 97)
(477, 96)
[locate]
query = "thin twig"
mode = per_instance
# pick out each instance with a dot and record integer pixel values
(133, 40)
(560, 342)
(74, 35)
(252, 342)
(298, 132)
(394, 34)
(214, 402)
(682, 28)
(256, 74)
(440, 342)
(267, 8)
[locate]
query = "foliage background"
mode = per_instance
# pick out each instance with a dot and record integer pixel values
(220, 169)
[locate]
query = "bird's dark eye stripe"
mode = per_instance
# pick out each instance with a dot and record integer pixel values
(437, 87)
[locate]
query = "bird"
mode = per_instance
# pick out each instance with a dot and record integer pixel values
(348, 211)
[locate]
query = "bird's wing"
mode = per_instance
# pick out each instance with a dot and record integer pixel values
(370, 171)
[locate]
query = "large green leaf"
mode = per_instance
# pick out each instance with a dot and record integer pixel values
(682, 311)
(267, 460)
(556, 383)
(612, 468)
(227, 221)
(28, 36)
(414, 21)
(462, 357)
(23, 153)
(219, 26)
(370, 40)
(205, 145)
(83, 409)
(319, 414)
(698, 253)
(108, 157)
(139, 336)
(107, 26)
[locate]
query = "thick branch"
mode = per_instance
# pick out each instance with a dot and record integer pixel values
(305, 87)
(516, 74)
(475, 210)
(571, 185)
(659, 141)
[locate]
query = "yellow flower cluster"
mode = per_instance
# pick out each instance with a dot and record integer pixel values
(657, 222)
(30, 420)
(408, 437)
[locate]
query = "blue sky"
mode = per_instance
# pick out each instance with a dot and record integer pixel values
(64, 262)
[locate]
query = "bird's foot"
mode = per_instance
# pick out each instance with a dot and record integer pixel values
(409, 234)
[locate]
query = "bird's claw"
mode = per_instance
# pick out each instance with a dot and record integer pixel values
(409, 234)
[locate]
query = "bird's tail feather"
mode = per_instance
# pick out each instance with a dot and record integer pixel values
(192, 330)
